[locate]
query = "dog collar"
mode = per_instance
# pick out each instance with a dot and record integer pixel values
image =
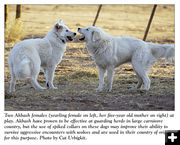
(63, 41)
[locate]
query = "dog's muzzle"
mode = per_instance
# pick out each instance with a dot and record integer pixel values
(70, 37)
(82, 38)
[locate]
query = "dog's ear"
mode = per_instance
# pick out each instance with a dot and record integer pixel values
(95, 36)
(61, 21)
(58, 27)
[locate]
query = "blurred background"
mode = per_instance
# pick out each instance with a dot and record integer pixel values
(130, 20)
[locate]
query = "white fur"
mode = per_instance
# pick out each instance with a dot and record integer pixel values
(110, 52)
(27, 57)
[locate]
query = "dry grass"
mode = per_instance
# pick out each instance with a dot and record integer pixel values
(14, 31)
(76, 76)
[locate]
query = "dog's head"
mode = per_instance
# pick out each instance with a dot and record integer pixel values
(90, 34)
(63, 31)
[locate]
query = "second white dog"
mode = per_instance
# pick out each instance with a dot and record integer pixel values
(110, 52)
(27, 57)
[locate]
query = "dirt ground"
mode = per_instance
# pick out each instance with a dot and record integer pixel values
(76, 76)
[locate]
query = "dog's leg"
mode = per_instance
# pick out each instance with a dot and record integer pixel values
(101, 78)
(138, 85)
(140, 81)
(45, 74)
(34, 75)
(13, 80)
(141, 72)
(147, 83)
(141, 68)
(50, 77)
(12, 84)
(36, 84)
(110, 73)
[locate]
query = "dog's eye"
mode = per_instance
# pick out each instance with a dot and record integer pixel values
(87, 29)
(67, 30)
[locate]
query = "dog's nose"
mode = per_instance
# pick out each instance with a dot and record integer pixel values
(79, 29)
(74, 34)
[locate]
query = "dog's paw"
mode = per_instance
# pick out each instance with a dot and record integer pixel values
(98, 89)
(132, 89)
(108, 89)
(53, 88)
(144, 88)
(42, 88)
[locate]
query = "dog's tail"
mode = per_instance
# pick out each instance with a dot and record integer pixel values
(166, 51)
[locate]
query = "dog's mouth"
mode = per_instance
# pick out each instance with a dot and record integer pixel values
(82, 38)
(69, 38)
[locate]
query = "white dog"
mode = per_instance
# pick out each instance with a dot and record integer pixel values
(27, 57)
(110, 52)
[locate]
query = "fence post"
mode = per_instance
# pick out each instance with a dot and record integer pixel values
(149, 23)
(6, 14)
(99, 9)
(18, 11)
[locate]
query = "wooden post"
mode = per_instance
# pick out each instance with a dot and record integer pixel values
(149, 23)
(18, 11)
(6, 14)
(99, 9)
